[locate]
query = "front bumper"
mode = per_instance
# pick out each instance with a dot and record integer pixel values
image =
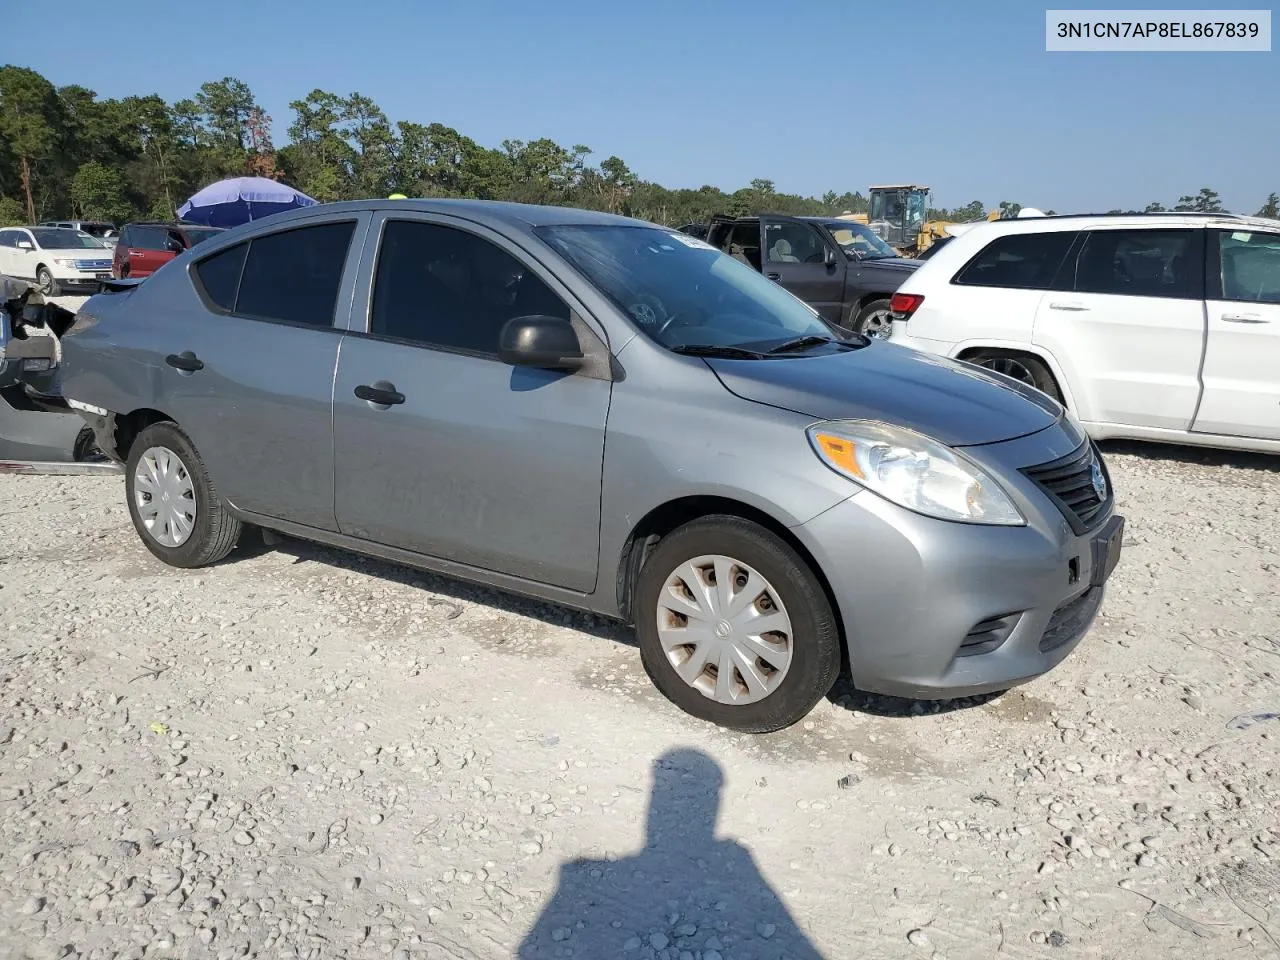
(933, 609)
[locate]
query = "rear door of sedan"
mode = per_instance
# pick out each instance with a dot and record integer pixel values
(248, 374)
(442, 449)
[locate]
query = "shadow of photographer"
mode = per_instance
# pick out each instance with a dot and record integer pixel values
(686, 891)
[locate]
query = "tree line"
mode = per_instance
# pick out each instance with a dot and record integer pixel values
(65, 152)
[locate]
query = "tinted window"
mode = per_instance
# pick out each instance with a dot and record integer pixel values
(1025, 261)
(7, 238)
(293, 276)
(1250, 265)
(147, 238)
(196, 235)
(449, 288)
(744, 243)
(1141, 263)
(220, 275)
(787, 242)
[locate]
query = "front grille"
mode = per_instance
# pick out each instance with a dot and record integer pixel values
(988, 635)
(1070, 483)
(93, 264)
(1071, 619)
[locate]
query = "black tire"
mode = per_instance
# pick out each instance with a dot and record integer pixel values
(816, 658)
(1022, 367)
(215, 531)
(877, 314)
(45, 282)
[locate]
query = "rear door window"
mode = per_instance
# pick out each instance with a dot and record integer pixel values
(1142, 263)
(293, 276)
(1019, 261)
(744, 243)
(1249, 266)
(219, 276)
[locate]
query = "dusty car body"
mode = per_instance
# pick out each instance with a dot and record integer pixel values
(611, 415)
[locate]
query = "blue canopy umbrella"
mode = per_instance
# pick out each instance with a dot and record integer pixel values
(229, 203)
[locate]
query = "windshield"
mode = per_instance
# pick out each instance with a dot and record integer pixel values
(195, 236)
(62, 239)
(682, 292)
(858, 241)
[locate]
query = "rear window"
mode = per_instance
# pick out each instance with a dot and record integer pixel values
(219, 275)
(1024, 261)
(195, 235)
(293, 276)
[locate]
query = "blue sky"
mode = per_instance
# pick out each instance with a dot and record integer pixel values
(812, 94)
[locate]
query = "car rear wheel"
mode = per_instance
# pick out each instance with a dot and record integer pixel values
(734, 627)
(874, 320)
(1020, 366)
(175, 508)
(45, 282)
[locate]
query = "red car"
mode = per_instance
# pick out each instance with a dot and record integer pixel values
(144, 248)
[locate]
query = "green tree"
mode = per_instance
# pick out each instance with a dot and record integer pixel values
(1206, 201)
(28, 122)
(1156, 207)
(1272, 207)
(1009, 209)
(369, 134)
(100, 192)
(12, 212)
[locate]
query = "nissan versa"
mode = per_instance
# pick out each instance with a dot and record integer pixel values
(611, 415)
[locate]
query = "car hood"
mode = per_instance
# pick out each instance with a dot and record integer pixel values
(956, 403)
(902, 264)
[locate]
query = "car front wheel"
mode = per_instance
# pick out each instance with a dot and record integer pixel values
(874, 320)
(45, 282)
(734, 627)
(172, 501)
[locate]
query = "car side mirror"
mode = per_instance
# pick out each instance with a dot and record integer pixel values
(173, 246)
(829, 258)
(25, 245)
(549, 343)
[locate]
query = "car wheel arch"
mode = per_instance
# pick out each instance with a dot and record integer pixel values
(969, 349)
(129, 425)
(670, 516)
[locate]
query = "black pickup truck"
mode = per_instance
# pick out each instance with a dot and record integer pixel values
(838, 267)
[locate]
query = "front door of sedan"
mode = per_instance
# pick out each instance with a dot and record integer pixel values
(1241, 374)
(798, 258)
(442, 449)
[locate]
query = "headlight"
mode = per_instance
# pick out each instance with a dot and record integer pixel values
(913, 471)
(63, 262)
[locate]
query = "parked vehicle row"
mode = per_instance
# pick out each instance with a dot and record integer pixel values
(840, 268)
(610, 415)
(1155, 327)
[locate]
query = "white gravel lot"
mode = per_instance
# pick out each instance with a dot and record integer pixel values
(300, 753)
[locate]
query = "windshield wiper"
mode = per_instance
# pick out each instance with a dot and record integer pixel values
(714, 350)
(813, 340)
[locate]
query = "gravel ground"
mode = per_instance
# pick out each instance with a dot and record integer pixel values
(305, 754)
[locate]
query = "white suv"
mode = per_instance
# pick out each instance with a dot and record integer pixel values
(1155, 327)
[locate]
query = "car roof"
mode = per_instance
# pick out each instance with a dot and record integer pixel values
(516, 214)
(1077, 221)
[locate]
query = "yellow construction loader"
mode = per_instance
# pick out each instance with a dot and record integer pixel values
(898, 214)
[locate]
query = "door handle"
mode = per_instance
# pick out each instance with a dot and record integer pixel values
(1068, 305)
(185, 362)
(774, 276)
(379, 394)
(1244, 318)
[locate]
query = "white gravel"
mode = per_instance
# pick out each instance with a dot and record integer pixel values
(300, 753)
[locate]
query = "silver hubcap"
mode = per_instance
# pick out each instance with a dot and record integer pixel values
(878, 324)
(165, 496)
(724, 629)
